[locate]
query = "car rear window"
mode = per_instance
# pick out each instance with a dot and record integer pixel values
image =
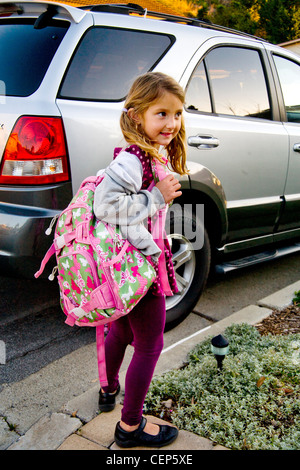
(26, 53)
(108, 59)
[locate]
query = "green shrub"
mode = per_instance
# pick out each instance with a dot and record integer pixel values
(254, 403)
(296, 299)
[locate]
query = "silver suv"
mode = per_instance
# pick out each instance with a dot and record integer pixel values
(65, 73)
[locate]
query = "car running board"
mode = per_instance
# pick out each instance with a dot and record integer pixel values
(228, 266)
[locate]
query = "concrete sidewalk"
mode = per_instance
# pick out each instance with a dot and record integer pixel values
(79, 426)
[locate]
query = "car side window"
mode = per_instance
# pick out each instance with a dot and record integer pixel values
(236, 80)
(107, 61)
(289, 76)
(197, 95)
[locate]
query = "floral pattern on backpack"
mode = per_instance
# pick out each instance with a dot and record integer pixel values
(101, 276)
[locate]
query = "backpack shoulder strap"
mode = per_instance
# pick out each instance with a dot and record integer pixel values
(45, 260)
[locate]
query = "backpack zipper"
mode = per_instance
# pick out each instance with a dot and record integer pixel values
(49, 229)
(75, 206)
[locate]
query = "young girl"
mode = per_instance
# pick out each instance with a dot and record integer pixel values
(151, 119)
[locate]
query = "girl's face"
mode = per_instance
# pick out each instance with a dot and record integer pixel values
(162, 120)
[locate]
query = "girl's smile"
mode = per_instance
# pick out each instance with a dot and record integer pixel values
(161, 122)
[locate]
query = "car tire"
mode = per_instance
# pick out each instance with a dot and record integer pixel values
(191, 265)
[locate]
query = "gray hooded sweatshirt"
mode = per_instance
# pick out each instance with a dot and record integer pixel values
(119, 200)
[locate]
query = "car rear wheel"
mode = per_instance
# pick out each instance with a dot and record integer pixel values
(191, 265)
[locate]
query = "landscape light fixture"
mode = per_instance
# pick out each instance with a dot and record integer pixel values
(219, 347)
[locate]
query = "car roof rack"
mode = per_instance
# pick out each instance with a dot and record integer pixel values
(133, 8)
(129, 8)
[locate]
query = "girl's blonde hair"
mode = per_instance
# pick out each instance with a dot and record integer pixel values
(144, 92)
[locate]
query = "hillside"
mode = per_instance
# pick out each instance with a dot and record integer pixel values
(173, 7)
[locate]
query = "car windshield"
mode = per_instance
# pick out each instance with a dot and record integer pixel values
(26, 53)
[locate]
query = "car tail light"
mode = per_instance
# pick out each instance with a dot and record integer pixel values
(35, 152)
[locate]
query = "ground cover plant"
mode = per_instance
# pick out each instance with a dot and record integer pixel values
(253, 403)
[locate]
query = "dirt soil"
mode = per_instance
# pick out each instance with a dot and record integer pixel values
(283, 322)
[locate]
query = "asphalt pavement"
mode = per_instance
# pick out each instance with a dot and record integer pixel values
(78, 426)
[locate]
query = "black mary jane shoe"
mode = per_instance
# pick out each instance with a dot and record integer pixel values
(139, 438)
(107, 401)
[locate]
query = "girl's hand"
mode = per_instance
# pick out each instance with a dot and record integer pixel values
(169, 187)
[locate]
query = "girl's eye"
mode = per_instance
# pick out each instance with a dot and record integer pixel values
(163, 114)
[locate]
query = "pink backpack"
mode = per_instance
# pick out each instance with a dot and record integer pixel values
(101, 276)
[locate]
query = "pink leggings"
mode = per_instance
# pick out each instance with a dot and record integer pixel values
(144, 327)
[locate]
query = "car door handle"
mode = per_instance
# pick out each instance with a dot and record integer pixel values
(296, 147)
(203, 141)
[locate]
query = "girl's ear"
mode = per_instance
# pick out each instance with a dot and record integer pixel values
(134, 115)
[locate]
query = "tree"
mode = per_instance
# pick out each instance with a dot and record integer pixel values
(235, 14)
(275, 20)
